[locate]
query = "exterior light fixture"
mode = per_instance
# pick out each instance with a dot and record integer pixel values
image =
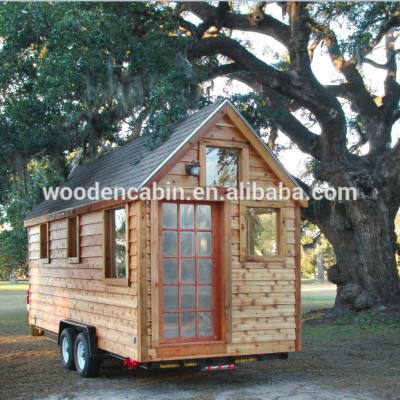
(193, 169)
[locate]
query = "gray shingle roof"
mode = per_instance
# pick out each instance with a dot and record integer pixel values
(115, 169)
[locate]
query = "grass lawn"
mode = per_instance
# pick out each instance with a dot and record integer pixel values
(313, 282)
(316, 293)
(20, 285)
(12, 301)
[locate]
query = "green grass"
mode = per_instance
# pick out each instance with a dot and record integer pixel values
(8, 317)
(349, 332)
(20, 285)
(306, 281)
(316, 294)
(12, 301)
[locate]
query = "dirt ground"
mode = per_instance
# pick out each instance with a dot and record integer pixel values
(343, 360)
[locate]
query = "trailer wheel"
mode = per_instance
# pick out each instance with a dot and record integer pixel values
(67, 342)
(86, 366)
(35, 332)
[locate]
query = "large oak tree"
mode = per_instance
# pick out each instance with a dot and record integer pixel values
(361, 231)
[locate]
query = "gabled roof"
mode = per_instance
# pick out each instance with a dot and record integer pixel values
(116, 169)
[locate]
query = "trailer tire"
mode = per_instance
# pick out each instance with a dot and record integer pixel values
(86, 366)
(67, 343)
(35, 332)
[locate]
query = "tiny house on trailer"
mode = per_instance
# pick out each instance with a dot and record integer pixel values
(165, 283)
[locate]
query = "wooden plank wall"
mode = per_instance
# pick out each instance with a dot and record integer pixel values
(263, 294)
(60, 290)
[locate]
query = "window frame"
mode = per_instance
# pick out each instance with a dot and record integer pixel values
(70, 237)
(281, 231)
(44, 238)
(243, 160)
(107, 247)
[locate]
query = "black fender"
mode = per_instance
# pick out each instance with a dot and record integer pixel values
(89, 330)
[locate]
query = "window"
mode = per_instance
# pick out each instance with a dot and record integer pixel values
(44, 249)
(115, 228)
(262, 235)
(221, 167)
(261, 231)
(73, 242)
(189, 273)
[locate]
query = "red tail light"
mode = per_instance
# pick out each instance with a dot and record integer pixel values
(220, 367)
(132, 363)
(126, 362)
(27, 297)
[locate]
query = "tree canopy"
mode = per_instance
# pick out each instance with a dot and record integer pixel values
(78, 78)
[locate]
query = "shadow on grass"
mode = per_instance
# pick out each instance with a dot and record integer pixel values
(363, 319)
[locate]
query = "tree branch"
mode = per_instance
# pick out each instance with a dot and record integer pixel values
(391, 171)
(382, 66)
(257, 22)
(190, 27)
(225, 69)
(392, 89)
(312, 48)
(341, 90)
(355, 91)
(391, 23)
(396, 115)
(306, 140)
(305, 90)
(247, 61)
(272, 137)
(137, 130)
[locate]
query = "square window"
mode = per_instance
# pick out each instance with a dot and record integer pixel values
(261, 231)
(221, 167)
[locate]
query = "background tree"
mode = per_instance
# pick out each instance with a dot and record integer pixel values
(18, 200)
(317, 254)
(78, 79)
(362, 231)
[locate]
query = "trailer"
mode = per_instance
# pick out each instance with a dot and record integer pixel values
(163, 278)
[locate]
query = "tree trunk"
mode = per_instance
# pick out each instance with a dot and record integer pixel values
(362, 234)
(12, 276)
(320, 264)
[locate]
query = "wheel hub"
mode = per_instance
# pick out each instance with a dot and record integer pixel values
(80, 355)
(65, 349)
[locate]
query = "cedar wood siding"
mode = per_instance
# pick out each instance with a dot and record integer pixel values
(264, 312)
(263, 295)
(59, 290)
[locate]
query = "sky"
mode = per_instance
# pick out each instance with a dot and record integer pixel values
(293, 159)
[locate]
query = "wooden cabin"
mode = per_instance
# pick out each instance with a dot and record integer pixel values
(170, 283)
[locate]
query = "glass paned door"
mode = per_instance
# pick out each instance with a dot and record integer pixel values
(189, 272)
